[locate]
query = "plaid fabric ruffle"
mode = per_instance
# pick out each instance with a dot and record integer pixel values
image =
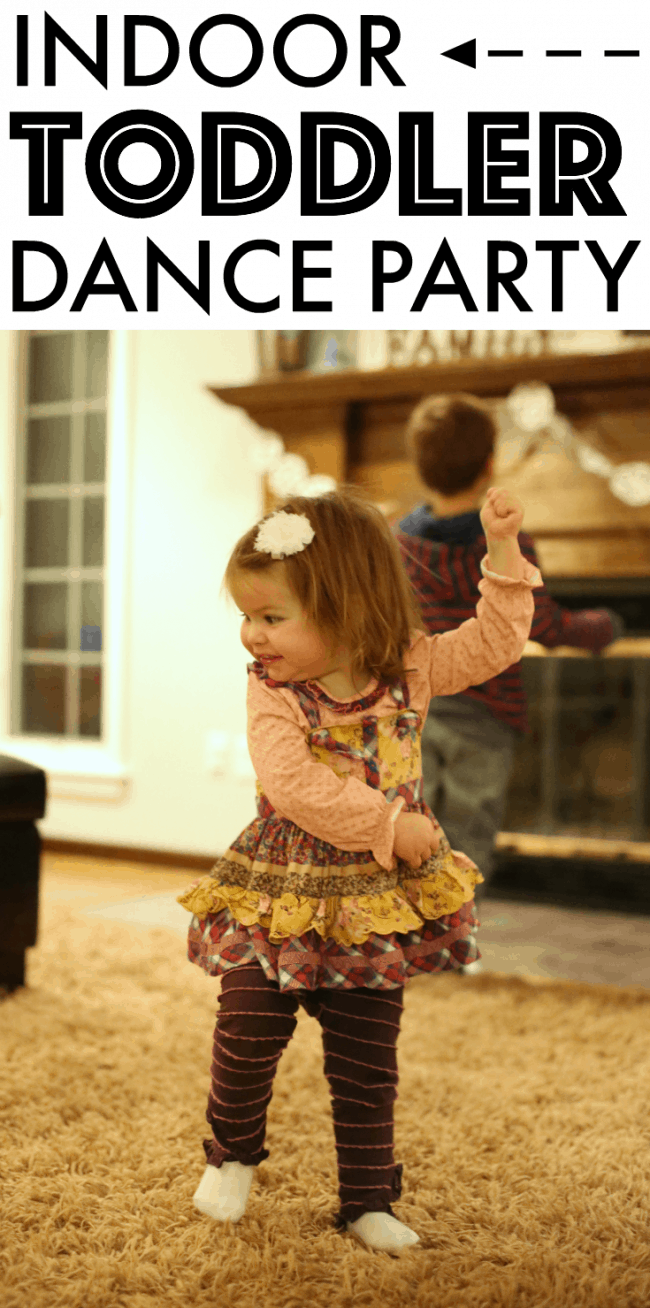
(219, 943)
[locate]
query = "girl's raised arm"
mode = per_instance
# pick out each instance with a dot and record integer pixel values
(486, 645)
(346, 813)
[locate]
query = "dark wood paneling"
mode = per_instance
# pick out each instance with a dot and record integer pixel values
(577, 404)
(351, 426)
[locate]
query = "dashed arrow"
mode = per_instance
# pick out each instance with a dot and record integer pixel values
(466, 54)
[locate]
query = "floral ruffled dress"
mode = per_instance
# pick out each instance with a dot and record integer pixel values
(315, 915)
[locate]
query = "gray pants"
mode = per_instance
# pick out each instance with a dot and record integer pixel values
(466, 761)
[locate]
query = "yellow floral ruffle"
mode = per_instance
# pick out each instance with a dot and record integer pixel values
(347, 919)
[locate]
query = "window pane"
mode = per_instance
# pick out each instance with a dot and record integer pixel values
(45, 615)
(50, 367)
(46, 533)
(96, 359)
(90, 694)
(93, 529)
(91, 614)
(43, 706)
(48, 451)
(95, 447)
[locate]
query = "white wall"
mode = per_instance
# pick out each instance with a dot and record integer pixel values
(191, 493)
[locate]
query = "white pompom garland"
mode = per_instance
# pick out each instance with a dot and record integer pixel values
(530, 413)
(288, 473)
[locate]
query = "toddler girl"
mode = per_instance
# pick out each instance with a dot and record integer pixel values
(344, 886)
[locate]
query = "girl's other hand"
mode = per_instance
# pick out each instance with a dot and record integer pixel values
(502, 514)
(416, 838)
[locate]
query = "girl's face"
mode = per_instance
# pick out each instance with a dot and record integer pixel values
(275, 630)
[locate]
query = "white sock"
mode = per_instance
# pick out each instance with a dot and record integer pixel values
(223, 1191)
(381, 1231)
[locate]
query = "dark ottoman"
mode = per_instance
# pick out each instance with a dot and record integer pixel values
(22, 802)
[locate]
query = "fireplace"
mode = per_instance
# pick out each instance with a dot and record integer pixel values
(577, 821)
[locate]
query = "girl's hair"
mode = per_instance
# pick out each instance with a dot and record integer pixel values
(350, 581)
(451, 438)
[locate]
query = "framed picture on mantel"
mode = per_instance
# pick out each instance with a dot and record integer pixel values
(281, 351)
(293, 351)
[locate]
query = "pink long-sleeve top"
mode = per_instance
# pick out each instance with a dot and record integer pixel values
(347, 812)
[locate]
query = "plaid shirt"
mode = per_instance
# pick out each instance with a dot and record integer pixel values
(445, 579)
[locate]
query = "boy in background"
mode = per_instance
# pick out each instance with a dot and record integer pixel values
(468, 740)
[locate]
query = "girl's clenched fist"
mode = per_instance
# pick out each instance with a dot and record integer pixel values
(502, 514)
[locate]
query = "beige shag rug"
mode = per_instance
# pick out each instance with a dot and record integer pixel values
(522, 1124)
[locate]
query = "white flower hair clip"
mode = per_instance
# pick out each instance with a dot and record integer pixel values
(284, 533)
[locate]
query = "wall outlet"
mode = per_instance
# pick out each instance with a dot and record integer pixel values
(217, 747)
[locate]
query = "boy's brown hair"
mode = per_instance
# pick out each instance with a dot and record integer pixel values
(350, 580)
(451, 438)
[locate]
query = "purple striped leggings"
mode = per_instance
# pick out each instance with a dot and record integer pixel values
(256, 1021)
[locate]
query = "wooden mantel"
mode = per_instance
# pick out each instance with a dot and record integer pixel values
(350, 425)
(478, 376)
